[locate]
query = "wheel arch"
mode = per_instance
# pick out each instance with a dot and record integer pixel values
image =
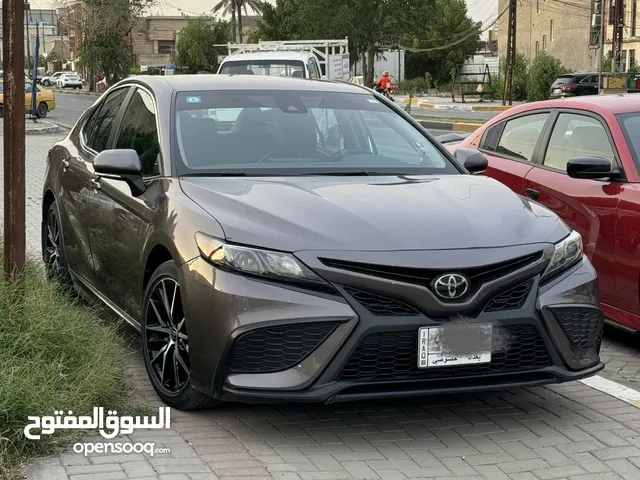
(159, 249)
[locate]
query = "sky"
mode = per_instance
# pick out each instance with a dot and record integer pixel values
(485, 11)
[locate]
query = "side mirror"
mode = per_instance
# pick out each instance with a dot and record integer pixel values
(121, 165)
(473, 160)
(589, 167)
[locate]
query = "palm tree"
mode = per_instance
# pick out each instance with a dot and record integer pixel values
(235, 8)
(228, 7)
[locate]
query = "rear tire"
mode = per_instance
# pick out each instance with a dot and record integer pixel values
(46, 83)
(165, 346)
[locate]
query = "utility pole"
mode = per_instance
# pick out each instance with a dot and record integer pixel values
(597, 34)
(511, 54)
(618, 30)
(14, 144)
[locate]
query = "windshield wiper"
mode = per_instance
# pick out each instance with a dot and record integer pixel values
(214, 174)
(355, 173)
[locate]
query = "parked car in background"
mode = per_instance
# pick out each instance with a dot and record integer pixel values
(49, 80)
(580, 157)
(283, 240)
(46, 100)
(69, 80)
(575, 84)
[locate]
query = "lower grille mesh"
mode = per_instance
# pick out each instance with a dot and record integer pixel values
(394, 355)
(583, 326)
(275, 349)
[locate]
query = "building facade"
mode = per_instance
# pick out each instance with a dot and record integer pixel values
(563, 29)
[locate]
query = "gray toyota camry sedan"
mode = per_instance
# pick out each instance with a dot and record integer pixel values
(293, 240)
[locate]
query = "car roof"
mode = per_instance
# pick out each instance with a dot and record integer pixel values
(286, 55)
(190, 83)
(616, 104)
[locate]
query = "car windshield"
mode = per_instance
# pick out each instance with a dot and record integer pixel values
(275, 68)
(298, 132)
(630, 123)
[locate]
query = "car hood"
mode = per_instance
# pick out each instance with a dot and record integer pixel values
(387, 213)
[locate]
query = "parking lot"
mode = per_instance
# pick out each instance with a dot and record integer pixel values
(570, 431)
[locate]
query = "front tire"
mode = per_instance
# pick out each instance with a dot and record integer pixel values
(165, 345)
(55, 262)
(46, 83)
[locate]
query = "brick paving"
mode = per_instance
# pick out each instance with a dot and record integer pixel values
(562, 432)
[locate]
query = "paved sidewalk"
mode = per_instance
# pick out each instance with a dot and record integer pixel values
(570, 431)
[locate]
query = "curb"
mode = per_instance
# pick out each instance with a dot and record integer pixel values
(450, 126)
(61, 125)
(53, 128)
(458, 108)
(75, 92)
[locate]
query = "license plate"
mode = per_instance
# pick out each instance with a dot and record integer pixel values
(557, 90)
(453, 345)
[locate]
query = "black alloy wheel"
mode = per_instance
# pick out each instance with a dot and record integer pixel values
(165, 343)
(53, 256)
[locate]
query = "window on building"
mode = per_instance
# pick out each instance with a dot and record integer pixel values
(634, 18)
(632, 58)
(623, 61)
(544, 42)
(166, 47)
(537, 48)
(537, 6)
(551, 35)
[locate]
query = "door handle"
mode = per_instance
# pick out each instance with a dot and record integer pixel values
(532, 194)
(95, 184)
(65, 165)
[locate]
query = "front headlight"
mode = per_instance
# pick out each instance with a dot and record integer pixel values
(568, 252)
(254, 261)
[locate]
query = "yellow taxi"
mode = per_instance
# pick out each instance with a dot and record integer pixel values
(46, 100)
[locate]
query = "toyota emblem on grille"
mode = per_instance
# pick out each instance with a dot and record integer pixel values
(451, 286)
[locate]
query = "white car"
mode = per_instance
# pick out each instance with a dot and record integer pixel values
(49, 80)
(69, 80)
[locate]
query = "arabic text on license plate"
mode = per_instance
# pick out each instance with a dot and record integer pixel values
(454, 345)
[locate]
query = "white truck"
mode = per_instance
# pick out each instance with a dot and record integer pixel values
(312, 59)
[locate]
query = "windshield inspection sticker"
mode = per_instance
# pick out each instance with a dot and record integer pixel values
(194, 100)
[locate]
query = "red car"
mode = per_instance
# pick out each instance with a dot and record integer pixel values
(580, 157)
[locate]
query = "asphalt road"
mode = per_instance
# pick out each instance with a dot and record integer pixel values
(69, 107)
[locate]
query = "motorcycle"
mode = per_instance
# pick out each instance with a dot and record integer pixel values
(388, 92)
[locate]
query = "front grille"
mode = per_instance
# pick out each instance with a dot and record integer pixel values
(424, 276)
(275, 349)
(511, 299)
(583, 326)
(394, 355)
(379, 305)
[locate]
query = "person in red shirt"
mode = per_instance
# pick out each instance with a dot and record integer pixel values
(384, 83)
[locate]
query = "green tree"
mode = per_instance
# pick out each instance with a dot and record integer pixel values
(520, 78)
(544, 70)
(443, 38)
(195, 49)
(279, 22)
(235, 9)
(107, 26)
(372, 25)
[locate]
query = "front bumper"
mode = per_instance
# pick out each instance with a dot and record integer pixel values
(244, 335)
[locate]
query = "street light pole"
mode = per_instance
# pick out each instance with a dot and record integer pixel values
(601, 47)
(27, 8)
(14, 143)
